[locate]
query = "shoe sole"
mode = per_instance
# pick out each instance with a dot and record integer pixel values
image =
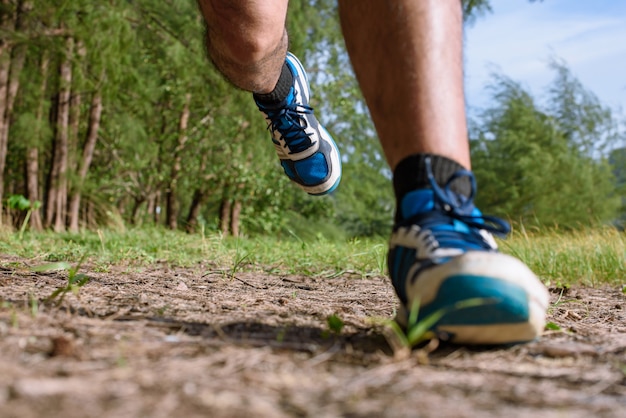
(513, 307)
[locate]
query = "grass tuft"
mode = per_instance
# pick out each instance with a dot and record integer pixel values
(589, 257)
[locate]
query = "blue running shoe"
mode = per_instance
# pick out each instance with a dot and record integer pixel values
(306, 150)
(443, 253)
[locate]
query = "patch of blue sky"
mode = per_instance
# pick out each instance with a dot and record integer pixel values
(519, 38)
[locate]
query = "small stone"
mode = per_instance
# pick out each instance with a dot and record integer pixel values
(565, 349)
(62, 346)
(182, 287)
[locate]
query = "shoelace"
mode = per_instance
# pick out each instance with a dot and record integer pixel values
(287, 121)
(460, 208)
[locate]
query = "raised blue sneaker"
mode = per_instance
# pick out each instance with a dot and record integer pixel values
(443, 253)
(306, 150)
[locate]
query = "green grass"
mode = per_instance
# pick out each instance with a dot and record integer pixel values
(589, 257)
(145, 246)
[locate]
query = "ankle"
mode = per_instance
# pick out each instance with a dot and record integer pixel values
(281, 90)
(411, 174)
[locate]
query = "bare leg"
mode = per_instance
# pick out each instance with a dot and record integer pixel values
(246, 40)
(407, 56)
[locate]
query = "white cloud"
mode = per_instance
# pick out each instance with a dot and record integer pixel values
(519, 38)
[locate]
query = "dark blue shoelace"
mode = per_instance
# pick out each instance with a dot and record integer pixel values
(287, 120)
(454, 206)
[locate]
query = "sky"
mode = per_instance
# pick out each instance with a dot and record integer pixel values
(518, 38)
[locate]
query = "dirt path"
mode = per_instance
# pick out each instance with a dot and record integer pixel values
(165, 342)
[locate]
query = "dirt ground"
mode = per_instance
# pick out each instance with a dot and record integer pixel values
(195, 342)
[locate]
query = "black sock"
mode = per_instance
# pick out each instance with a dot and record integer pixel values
(410, 174)
(280, 92)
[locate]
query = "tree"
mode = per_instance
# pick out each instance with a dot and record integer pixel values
(617, 160)
(529, 165)
(117, 103)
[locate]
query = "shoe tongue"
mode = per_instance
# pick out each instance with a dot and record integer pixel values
(416, 202)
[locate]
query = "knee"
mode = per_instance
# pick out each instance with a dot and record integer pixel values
(236, 34)
(250, 49)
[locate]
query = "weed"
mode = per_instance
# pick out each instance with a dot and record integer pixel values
(17, 201)
(101, 237)
(238, 259)
(161, 311)
(380, 255)
(34, 305)
(560, 301)
(551, 326)
(75, 280)
(335, 323)
(280, 336)
(14, 321)
(418, 331)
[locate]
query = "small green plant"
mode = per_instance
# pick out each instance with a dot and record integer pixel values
(34, 305)
(19, 202)
(238, 260)
(75, 280)
(551, 326)
(418, 331)
(280, 336)
(335, 323)
(161, 311)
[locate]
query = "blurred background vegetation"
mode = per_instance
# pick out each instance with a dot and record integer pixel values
(111, 115)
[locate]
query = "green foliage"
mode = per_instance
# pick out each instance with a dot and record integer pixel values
(145, 57)
(473, 9)
(545, 166)
(617, 161)
(20, 203)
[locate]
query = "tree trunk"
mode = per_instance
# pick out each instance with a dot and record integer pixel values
(5, 63)
(57, 199)
(17, 63)
(135, 211)
(199, 197)
(172, 198)
(200, 194)
(32, 187)
(225, 216)
(234, 218)
(95, 114)
(7, 24)
(76, 99)
(156, 208)
(32, 153)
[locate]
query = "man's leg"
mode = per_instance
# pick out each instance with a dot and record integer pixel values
(407, 56)
(247, 42)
